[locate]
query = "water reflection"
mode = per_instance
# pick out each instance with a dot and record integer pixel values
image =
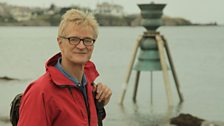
(148, 117)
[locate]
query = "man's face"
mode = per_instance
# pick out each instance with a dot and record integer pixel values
(80, 53)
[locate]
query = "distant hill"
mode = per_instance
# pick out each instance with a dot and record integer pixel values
(167, 21)
(11, 15)
(174, 21)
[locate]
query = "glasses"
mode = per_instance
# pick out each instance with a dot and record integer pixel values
(76, 40)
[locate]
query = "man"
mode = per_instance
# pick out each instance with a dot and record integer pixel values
(63, 96)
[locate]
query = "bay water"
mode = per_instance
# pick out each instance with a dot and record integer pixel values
(197, 52)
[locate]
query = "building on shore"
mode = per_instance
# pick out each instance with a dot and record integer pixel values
(106, 8)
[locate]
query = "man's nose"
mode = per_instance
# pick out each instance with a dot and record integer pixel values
(81, 45)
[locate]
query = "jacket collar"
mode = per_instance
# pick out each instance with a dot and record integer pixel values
(59, 79)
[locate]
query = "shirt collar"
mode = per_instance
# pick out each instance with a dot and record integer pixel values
(67, 75)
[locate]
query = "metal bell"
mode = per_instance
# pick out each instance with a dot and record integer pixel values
(148, 59)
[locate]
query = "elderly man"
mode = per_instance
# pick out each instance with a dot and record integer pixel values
(63, 95)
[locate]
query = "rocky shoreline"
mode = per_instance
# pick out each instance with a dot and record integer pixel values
(6, 78)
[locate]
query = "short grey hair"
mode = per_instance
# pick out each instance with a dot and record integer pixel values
(78, 17)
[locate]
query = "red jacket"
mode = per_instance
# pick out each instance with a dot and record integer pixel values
(53, 100)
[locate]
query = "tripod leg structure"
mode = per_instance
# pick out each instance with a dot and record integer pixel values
(136, 86)
(129, 70)
(173, 69)
(151, 95)
(160, 44)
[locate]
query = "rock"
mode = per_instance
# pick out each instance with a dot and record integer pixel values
(7, 78)
(186, 120)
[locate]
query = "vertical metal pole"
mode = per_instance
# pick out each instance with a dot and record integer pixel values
(173, 70)
(129, 69)
(136, 86)
(160, 44)
(151, 87)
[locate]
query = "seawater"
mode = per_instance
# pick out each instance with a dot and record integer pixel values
(197, 52)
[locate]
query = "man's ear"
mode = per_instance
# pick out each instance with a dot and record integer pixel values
(59, 40)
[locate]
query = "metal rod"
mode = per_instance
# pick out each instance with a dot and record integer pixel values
(173, 70)
(151, 87)
(136, 86)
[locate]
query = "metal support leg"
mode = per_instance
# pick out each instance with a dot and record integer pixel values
(151, 88)
(129, 70)
(173, 70)
(160, 44)
(136, 86)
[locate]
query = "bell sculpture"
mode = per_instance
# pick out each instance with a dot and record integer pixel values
(152, 54)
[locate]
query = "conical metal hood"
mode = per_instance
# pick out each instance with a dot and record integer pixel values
(151, 15)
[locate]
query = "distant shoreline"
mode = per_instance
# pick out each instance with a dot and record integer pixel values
(26, 25)
(24, 16)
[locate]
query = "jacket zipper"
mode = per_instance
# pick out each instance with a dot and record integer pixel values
(86, 103)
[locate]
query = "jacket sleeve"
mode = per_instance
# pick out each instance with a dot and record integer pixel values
(35, 108)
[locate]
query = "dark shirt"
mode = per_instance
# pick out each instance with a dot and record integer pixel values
(81, 86)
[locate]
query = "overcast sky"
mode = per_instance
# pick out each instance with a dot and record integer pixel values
(197, 11)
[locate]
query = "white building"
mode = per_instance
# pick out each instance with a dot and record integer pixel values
(21, 13)
(109, 9)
